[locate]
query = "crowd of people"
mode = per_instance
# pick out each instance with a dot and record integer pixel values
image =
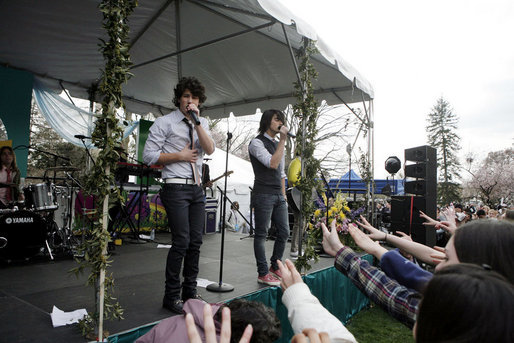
(469, 297)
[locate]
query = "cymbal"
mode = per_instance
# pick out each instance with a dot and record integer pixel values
(62, 168)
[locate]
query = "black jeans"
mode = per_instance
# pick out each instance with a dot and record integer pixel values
(185, 207)
(268, 208)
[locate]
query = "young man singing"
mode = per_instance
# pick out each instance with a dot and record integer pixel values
(179, 143)
(269, 193)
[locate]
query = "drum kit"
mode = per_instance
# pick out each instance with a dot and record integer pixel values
(42, 223)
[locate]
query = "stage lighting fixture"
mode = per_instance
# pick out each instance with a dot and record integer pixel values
(393, 164)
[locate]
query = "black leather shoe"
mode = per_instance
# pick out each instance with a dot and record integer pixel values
(195, 296)
(174, 305)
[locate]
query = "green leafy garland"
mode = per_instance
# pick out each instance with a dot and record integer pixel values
(106, 136)
(306, 111)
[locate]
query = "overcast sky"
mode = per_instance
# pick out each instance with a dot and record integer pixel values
(413, 52)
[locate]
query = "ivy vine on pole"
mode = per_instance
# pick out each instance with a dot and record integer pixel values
(106, 136)
(306, 111)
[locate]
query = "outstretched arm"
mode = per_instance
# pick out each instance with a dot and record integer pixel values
(420, 251)
(304, 310)
(399, 301)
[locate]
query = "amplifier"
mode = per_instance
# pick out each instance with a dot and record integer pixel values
(211, 210)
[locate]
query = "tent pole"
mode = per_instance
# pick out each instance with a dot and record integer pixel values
(178, 52)
(178, 34)
(67, 93)
(150, 23)
(92, 94)
(372, 157)
(294, 60)
(302, 160)
(369, 157)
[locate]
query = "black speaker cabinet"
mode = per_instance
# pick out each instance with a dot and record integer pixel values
(417, 170)
(422, 153)
(421, 176)
(417, 187)
(405, 217)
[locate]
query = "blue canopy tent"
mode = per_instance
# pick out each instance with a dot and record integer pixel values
(353, 182)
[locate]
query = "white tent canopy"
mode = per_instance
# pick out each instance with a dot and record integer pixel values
(236, 48)
(238, 182)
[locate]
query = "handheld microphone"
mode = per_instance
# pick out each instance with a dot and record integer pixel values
(81, 137)
(289, 133)
(193, 116)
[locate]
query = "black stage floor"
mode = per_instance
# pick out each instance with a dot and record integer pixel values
(29, 290)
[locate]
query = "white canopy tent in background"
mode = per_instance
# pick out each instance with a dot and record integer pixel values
(238, 183)
(238, 49)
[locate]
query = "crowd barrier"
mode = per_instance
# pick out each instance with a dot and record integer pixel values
(334, 290)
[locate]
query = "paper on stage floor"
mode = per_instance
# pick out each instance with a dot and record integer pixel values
(203, 282)
(61, 318)
(164, 246)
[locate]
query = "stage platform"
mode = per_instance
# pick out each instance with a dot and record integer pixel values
(30, 289)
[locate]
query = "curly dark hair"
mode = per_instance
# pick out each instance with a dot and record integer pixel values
(195, 87)
(265, 323)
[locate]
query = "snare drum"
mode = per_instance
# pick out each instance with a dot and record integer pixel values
(40, 197)
(25, 234)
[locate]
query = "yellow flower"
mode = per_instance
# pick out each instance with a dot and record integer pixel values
(317, 213)
(341, 215)
(310, 226)
(346, 208)
(333, 209)
(330, 213)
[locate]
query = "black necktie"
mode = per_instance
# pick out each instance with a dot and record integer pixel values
(194, 169)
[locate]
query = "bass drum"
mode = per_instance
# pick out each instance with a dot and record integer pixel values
(25, 234)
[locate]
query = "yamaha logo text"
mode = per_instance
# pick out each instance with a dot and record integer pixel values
(21, 220)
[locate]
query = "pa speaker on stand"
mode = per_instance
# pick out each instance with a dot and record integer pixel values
(420, 195)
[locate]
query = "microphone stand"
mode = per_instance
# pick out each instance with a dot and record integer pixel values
(221, 286)
(55, 156)
(82, 139)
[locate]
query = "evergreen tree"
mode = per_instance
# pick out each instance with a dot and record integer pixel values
(442, 135)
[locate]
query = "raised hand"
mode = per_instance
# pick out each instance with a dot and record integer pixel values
(448, 226)
(449, 214)
(428, 220)
(290, 275)
(331, 242)
(210, 329)
(373, 232)
(365, 242)
(403, 235)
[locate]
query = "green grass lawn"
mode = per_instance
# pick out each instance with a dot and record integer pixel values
(373, 325)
